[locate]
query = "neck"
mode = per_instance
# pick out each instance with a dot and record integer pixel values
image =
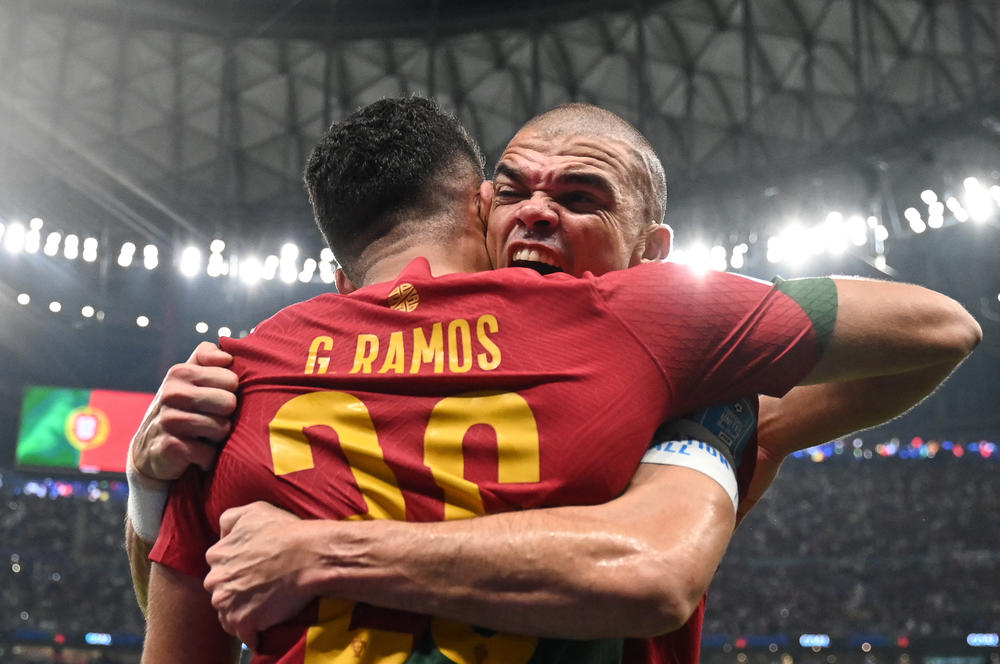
(456, 257)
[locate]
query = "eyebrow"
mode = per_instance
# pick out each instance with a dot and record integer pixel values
(582, 179)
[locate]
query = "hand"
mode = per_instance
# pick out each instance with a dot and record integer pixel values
(189, 414)
(256, 567)
(764, 473)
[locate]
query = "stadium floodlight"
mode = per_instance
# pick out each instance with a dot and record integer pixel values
(995, 193)
(217, 246)
(201, 327)
(881, 233)
(1, 230)
(150, 256)
(55, 306)
(799, 243)
(326, 273)
(190, 261)
(718, 258)
(857, 231)
(775, 249)
(834, 234)
(912, 215)
(23, 298)
(270, 269)
(216, 265)
(13, 240)
(71, 247)
(36, 224)
(87, 311)
(880, 262)
(225, 332)
(977, 200)
(326, 255)
(90, 249)
(32, 241)
(250, 269)
(928, 196)
(737, 259)
(289, 250)
(142, 321)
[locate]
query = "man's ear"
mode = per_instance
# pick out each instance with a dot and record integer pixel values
(656, 244)
(485, 200)
(344, 284)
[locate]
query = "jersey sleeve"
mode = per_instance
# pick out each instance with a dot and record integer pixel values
(717, 335)
(185, 535)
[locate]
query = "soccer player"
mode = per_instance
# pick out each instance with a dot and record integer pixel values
(476, 353)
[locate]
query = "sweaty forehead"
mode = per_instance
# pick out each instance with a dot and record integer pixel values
(544, 157)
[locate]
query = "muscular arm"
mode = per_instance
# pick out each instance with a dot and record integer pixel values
(884, 329)
(635, 566)
(181, 625)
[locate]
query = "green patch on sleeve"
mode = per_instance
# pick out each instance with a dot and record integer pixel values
(818, 298)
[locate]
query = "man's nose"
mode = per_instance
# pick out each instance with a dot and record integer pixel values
(538, 212)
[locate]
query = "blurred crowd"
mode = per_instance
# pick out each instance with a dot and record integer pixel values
(900, 548)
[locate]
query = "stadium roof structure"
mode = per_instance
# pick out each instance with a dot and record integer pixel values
(181, 117)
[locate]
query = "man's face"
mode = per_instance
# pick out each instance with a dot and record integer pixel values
(567, 203)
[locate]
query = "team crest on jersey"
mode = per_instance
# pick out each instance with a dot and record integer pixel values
(87, 428)
(404, 297)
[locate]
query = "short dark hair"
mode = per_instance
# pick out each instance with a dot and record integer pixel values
(377, 169)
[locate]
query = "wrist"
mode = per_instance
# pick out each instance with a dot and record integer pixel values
(147, 498)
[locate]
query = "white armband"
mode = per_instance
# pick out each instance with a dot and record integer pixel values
(697, 455)
(146, 499)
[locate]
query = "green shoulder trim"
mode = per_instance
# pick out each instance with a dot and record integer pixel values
(818, 298)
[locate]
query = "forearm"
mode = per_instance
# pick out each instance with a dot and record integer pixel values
(636, 566)
(814, 414)
(139, 565)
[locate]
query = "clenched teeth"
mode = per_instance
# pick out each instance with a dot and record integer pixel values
(532, 256)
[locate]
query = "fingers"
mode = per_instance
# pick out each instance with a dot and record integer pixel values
(201, 389)
(229, 518)
(207, 354)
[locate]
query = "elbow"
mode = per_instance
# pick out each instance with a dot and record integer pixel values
(965, 335)
(660, 601)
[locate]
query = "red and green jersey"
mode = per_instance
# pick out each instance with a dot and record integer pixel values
(439, 398)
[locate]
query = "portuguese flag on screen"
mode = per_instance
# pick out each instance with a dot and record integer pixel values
(74, 429)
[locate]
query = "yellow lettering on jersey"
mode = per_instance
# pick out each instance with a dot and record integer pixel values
(426, 351)
(314, 362)
(459, 335)
(395, 357)
(365, 353)
(489, 360)
(516, 430)
(332, 641)
(464, 645)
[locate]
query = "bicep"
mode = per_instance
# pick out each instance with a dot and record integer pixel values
(182, 625)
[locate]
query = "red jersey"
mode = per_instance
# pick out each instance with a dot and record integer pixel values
(437, 398)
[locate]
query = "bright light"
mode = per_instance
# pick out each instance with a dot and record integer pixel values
(834, 234)
(250, 270)
(798, 243)
(918, 226)
(217, 246)
(71, 247)
(13, 240)
(977, 200)
(928, 196)
(308, 269)
(32, 241)
(52, 241)
(190, 261)
(881, 233)
(698, 258)
(201, 327)
(55, 307)
(23, 298)
(215, 265)
(289, 250)
(87, 311)
(739, 252)
(90, 249)
(880, 263)
(288, 269)
(326, 273)
(775, 249)
(1, 230)
(935, 221)
(857, 231)
(326, 255)
(718, 258)
(995, 193)
(270, 269)
(142, 321)
(150, 256)
(225, 332)
(124, 259)
(36, 224)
